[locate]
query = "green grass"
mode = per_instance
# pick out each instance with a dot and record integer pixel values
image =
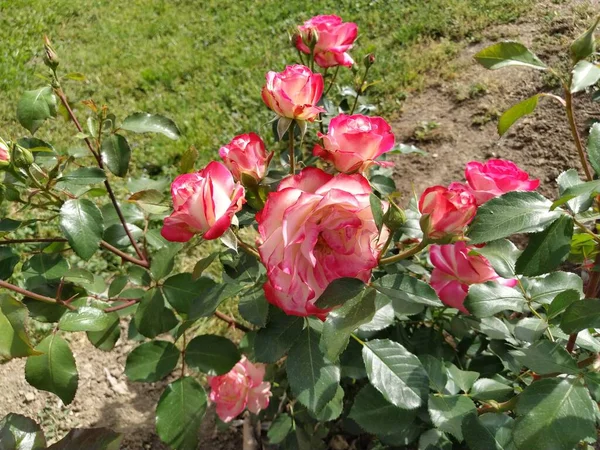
(203, 63)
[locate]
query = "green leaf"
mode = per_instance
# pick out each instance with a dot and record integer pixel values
(151, 361)
(464, 379)
(486, 389)
(561, 302)
(547, 249)
(333, 409)
(554, 413)
(488, 432)
(79, 276)
(55, 370)
(85, 318)
(487, 299)
(179, 414)
(502, 255)
(343, 321)
(208, 301)
(515, 112)
(511, 213)
(583, 190)
(82, 224)
(14, 342)
(313, 378)
(448, 412)
(273, 341)
(504, 54)
(593, 147)
(585, 74)
(377, 416)
(279, 429)
(213, 355)
(152, 317)
(20, 433)
(35, 107)
(407, 288)
(382, 184)
(164, 260)
(181, 291)
(434, 440)
(117, 285)
(106, 338)
(584, 45)
(581, 315)
(396, 373)
(84, 176)
(543, 289)
(340, 291)
(436, 372)
(89, 439)
(48, 266)
(150, 201)
(116, 154)
(545, 357)
(8, 261)
(151, 123)
(377, 210)
(203, 264)
(253, 307)
(530, 329)
(569, 179)
(188, 160)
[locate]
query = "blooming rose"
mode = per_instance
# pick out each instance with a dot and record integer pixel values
(246, 154)
(450, 209)
(496, 177)
(352, 143)
(204, 202)
(334, 39)
(316, 228)
(455, 270)
(242, 387)
(294, 93)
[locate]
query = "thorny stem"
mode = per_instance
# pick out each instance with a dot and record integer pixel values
(60, 93)
(403, 255)
(127, 304)
(33, 295)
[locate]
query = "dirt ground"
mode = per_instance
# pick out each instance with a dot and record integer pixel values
(454, 120)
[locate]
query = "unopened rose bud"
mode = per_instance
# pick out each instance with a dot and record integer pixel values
(394, 217)
(50, 57)
(4, 155)
(369, 60)
(21, 157)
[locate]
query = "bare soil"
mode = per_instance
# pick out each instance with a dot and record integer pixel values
(454, 120)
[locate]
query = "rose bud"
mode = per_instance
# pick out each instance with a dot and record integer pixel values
(352, 143)
(246, 155)
(294, 93)
(314, 229)
(333, 39)
(449, 210)
(4, 155)
(455, 270)
(204, 202)
(496, 177)
(242, 387)
(21, 157)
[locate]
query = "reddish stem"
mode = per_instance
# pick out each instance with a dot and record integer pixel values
(33, 295)
(127, 304)
(232, 322)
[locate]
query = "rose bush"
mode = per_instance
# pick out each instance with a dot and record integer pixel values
(364, 320)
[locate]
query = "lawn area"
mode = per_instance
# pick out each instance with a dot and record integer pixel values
(203, 63)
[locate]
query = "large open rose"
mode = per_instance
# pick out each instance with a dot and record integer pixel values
(203, 202)
(450, 210)
(496, 177)
(294, 93)
(455, 270)
(242, 387)
(316, 228)
(334, 39)
(246, 154)
(352, 143)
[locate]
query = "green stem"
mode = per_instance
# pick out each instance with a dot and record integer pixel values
(575, 131)
(291, 148)
(247, 247)
(403, 255)
(337, 69)
(359, 89)
(493, 406)
(357, 339)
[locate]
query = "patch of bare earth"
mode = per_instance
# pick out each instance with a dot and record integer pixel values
(453, 120)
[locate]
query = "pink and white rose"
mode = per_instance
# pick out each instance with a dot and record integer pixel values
(314, 229)
(4, 154)
(353, 143)
(334, 39)
(455, 270)
(294, 93)
(450, 209)
(496, 177)
(204, 202)
(240, 388)
(246, 154)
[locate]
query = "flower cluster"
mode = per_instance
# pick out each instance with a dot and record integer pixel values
(447, 211)
(240, 388)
